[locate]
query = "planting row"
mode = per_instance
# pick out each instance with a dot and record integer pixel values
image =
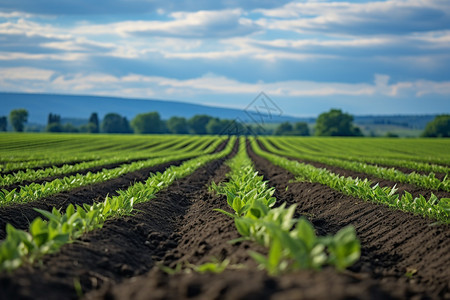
(417, 150)
(368, 156)
(433, 207)
(35, 191)
(66, 149)
(427, 181)
(405, 253)
(62, 227)
(159, 150)
(384, 152)
(292, 242)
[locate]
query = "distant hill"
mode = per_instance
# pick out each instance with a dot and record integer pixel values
(81, 107)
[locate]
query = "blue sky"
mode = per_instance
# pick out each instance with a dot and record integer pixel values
(365, 57)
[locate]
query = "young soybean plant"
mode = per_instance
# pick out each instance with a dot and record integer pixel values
(292, 242)
(44, 237)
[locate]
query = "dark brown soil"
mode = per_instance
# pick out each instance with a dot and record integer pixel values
(132, 245)
(82, 172)
(47, 166)
(405, 170)
(376, 276)
(401, 169)
(402, 187)
(393, 242)
(121, 260)
(247, 284)
(21, 214)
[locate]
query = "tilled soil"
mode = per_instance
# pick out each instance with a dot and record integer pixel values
(406, 254)
(129, 246)
(82, 172)
(416, 191)
(406, 170)
(121, 260)
(44, 166)
(21, 214)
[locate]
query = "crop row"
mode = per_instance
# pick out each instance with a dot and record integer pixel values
(292, 242)
(30, 174)
(419, 150)
(427, 181)
(433, 207)
(35, 191)
(348, 155)
(62, 227)
(27, 157)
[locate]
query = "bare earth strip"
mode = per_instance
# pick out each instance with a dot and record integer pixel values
(413, 189)
(21, 214)
(124, 247)
(120, 260)
(393, 242)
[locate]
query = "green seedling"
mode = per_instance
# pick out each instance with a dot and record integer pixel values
(47, 236)
(364, 189)
(292, 243)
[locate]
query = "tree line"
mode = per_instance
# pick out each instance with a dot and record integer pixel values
(332, 123)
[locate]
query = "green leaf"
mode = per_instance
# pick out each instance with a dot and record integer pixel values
(275, 256)
(225, 212)
(242, 226)
(345, 248)
(47, 214)
(261, 259)
(305, 231)
(70, 210)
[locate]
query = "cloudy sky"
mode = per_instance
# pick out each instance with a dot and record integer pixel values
(365, 57)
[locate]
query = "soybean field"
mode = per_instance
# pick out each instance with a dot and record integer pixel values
(223, 217)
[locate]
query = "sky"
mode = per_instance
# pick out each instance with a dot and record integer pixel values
(308, 56)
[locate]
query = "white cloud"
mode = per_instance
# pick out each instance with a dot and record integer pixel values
(25, 73)
(380, 17)
(75, 57)
(141, 86)
(14, 14)
(200, 24)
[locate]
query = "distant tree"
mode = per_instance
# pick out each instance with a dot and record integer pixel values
(439, 127)
(147, 123)
(215, 126)
(391, 135)
(197, 124)
(53, 118)
(228, 127)
(115, 123)
(18, 118)
(94, 124)
(301, 129)
(89, 128)
(336, 123)
(177, 125)
(54, 123)
(54, 127)
(260, 130)
(284, 128)
(69, 128)
(35, 128)
(164, 128)
(3, 123)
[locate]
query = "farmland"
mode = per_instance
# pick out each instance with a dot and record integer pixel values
(209, 217)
